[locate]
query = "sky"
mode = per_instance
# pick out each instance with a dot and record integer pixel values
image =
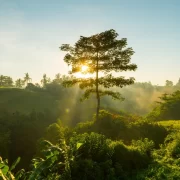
(31, 33)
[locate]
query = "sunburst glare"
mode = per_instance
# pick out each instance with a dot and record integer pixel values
(84, 68)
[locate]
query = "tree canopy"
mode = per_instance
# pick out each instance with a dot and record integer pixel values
(169, 83)
(6, 81)
(101, 54)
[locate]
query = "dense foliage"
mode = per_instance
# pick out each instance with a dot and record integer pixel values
(65, 153)
(168, 107)
(121, 145)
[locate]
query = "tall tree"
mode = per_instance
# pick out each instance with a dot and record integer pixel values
(27, 78)
(45, 80)
(101, 55)
(19, 83)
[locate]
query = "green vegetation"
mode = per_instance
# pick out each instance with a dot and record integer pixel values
(65, 153)
(6, 81)
(118, 146)
(27, 100)
(46, 133)
(168, 107)
(170, 124)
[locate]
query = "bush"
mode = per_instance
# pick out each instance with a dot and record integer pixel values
(166, 162)
(172, 143)
(131, 158)
(118, 127)
(92, 146)
(97, 157)
(152, 131)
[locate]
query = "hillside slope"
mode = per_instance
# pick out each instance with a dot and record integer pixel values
(12, 99)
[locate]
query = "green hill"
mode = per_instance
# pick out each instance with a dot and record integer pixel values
(64, 105)
(13, 99)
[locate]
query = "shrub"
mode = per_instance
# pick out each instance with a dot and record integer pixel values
(129, 158)
(152, 131)
(166, 163)
(92, 146)
(172, 143)
(117, 128)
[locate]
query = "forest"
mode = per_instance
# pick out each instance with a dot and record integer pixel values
(103, 127)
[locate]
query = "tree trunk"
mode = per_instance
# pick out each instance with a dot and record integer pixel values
(98, 102)
(97, 91)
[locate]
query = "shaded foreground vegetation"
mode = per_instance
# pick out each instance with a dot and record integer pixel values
(48, 129)
(118, 146)
(109, 149)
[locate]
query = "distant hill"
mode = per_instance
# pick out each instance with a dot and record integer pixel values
(13, 99)
(67, 107)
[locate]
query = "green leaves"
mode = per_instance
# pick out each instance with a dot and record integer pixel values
(6, 172)
(15, 164)
(4, 168)
(54, 165)
(79, 145)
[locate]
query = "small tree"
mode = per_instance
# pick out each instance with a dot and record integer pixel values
(19, 83)
(6, 81)
(169, 83)
(58, 79)
(27, 78)
(100, 53)
(45, 80)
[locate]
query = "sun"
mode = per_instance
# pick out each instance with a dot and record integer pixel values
(84, 68)
(83, 73)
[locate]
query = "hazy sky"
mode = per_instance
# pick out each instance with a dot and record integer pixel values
(32, 31)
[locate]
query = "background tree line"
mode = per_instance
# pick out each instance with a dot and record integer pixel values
(140, 98)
